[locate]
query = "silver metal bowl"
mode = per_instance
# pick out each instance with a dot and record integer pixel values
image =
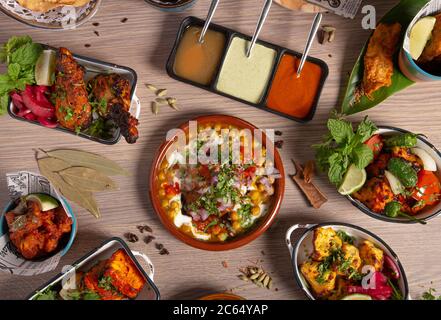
(427, 213)
(301, 249)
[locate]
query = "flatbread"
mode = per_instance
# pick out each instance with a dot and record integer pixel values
(299, 5)
(46, 5)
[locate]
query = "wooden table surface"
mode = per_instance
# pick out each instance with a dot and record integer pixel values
(143, 43)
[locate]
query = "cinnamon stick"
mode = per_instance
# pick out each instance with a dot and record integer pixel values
(311, 191)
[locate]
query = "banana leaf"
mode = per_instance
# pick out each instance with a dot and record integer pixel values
(403, 13)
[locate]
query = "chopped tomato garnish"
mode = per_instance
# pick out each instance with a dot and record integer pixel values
(428, 188)
(250, 171)
(172, 189)
(375, 143)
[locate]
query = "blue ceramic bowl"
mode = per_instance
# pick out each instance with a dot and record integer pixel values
(4, 226)
(413, 71)
(172, 7)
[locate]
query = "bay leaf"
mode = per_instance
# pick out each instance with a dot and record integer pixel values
(78, 158)
(87, 179)
(84, 199)
(53, 163)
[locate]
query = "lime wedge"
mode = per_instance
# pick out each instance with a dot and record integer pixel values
(357, 296)
(419, 36)
(45, 68)
(353, 180)
(46, 202)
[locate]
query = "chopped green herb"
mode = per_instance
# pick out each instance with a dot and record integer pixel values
(47, 294)
(430, 295)
(345, 237)
(69, 114)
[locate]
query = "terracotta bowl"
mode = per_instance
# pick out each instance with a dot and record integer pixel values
(222, 296)
(260, 226)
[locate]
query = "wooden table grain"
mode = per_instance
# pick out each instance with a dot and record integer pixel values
(143, 43)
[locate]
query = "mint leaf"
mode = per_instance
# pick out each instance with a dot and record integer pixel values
(340, 130)
(366, 129)
(14, 71)
(16, 42)
(27, 55)
(4, 99)
(6, 84)
(338, 166)
(362, 156)
(323, 152)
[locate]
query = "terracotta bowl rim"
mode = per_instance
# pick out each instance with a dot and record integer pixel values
(241, 240)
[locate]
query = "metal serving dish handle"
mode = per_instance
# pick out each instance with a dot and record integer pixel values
(151, 269)
(290, 232)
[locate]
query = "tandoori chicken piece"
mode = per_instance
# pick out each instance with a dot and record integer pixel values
(432, 50)
(378, 60)
(112, 95)
(116, 278)
(125, 276)
(37, 233)
(73, 110)
(94, 281)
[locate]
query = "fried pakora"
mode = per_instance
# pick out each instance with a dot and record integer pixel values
(378, 60)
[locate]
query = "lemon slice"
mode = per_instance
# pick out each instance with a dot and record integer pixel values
(353, 180)
(357, 296)
(44, 201)
(45, 68)
(419, 36)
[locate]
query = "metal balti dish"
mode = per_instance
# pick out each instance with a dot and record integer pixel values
(427, 213)
(301, 248)
(56, 19)
(103, 252)
(94, 67)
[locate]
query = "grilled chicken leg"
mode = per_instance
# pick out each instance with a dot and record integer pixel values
(73, 109)
(111, 93)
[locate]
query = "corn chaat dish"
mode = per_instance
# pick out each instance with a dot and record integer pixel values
(217, 200)
(342, 267)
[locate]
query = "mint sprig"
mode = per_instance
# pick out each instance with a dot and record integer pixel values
(21, 55)
(343, 146)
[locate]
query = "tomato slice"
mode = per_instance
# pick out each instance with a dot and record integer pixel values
(428, 188)
(375, 143)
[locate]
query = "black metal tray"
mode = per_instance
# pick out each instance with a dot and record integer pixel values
(93, 67)
(229, 35)
(104, 251)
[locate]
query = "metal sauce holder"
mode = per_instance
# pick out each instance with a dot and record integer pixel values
(229, 35)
